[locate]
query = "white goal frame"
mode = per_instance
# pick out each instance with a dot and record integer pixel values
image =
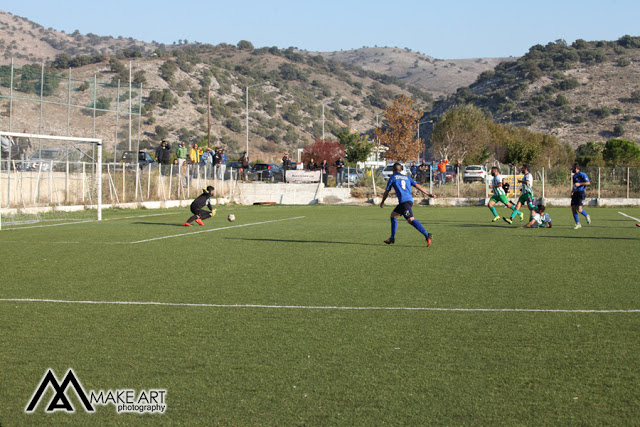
(97, 141)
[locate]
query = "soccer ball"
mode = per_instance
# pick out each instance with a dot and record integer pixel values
(231, 218)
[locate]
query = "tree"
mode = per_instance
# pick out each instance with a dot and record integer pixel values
(245, 45)
(621, 152)
(101, 105)
(323, 150)
(167, 70)
(461, 130)
(618, 130)
(139, 78)
(233, 124)
(161, 132)
(590, 154)
(357, 148)
(401, 129)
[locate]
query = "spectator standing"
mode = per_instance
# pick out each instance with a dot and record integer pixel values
(7, 144)
(339, 164)
(216, 158)
(24, 148)
(423, 172)
(324, 170)
(312, 165)
(194, 154)
(286, 165)
(181, 154)
(442, 171)
(244, 161)
(414, 170)
(163, 153)
(222, 164)
(206, 162)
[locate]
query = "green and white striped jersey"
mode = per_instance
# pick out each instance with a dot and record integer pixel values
(526, 188)
(498, 191)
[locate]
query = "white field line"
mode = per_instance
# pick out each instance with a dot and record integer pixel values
(312, 307)
(82, 221)
(628, 216)
(207, 231)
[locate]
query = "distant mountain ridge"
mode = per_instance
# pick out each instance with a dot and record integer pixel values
(587, 91)
(284, 115)
(440, 77)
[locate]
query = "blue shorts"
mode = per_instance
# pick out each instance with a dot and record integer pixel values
(577, 198)
(405, 210)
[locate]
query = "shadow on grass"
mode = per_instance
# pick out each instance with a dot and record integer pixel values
(321, 241)
(591, 237)
(172, 224)
(491, 225)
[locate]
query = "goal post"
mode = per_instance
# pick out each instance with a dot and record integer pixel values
(27, 159)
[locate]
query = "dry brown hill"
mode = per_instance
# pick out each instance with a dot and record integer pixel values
(28, 42)
(440, 77)
(579, 93)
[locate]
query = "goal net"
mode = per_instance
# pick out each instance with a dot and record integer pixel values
(52, 179)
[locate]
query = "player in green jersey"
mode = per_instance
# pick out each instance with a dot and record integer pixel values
(526, 197)
(499, 195)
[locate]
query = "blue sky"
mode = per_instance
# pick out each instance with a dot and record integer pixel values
(443, 29)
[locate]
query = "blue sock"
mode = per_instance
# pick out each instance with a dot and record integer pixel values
(584, 213)
(394, 226)
(419, 226)
(575, 217)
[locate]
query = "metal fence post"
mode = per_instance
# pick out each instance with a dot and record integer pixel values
(627, 182)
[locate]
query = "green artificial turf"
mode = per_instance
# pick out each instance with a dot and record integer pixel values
(558, 344)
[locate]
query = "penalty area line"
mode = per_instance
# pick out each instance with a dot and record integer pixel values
(83, 221)
(311, 307)
(208, 231)
(629, 216)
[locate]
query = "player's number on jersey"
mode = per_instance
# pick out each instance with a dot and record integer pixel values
(403, 184)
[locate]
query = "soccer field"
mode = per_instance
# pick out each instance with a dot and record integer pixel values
(302, 315)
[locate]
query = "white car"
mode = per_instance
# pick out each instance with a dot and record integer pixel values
(388, 171)
(474, 173)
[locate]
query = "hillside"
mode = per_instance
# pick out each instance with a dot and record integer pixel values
(439, 77)
(588, 91)
(28, 42)
(285, 114)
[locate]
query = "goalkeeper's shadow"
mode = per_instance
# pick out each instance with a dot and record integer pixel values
(305, 241)
(171, 224)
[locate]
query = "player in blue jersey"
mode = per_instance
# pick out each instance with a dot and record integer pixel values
(580, 181)
(402, 185)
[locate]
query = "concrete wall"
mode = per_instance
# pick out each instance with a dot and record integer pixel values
(289, 194)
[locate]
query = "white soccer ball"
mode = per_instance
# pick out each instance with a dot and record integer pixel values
(231, 218)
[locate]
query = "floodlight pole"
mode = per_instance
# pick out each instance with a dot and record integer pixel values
(323, 118)
(424, 153)
(378, 139)
(323, 122)
(247, 116)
